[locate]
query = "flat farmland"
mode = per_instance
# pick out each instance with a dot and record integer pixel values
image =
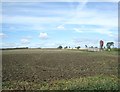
(37, 69)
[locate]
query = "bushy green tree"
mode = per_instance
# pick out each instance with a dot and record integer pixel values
(86, 46)
(60, 47)
(66, 47)
(78, 47)
(109, 44)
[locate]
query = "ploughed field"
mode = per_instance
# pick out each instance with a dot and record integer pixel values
(32, 69)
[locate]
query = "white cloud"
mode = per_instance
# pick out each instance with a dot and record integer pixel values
(27, 27)
(37, 28)
(77, 30)
(78, 15)
(81, 6)
(25, 41)
(93, 16)
(101, 30)
(7, 45)
(105, 31)
(61, 27)
(43, 35)
(2, 35)
(90, 17)
(58, 0)
(101, 21)
(28, 37)
(30, 20)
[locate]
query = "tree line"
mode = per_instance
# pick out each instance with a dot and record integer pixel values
(108, 45)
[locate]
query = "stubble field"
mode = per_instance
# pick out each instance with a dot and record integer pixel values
(37, 69)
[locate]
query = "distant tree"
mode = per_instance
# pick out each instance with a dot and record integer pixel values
(69, 46)
(91, 47)
(109, 44)
(65, 47)
(78, 47)
(39, 47)
(104, 47)
(26, 47)
(86, 46)
(60, 47)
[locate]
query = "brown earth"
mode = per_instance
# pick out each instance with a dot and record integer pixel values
(48, 65)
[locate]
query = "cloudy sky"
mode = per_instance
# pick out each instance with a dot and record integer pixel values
(50, 24)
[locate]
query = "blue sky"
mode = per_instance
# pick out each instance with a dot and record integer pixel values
(50, 24)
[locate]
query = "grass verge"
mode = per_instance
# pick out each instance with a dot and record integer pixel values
(85, 83)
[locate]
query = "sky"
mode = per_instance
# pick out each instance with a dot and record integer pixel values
(50, 24)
